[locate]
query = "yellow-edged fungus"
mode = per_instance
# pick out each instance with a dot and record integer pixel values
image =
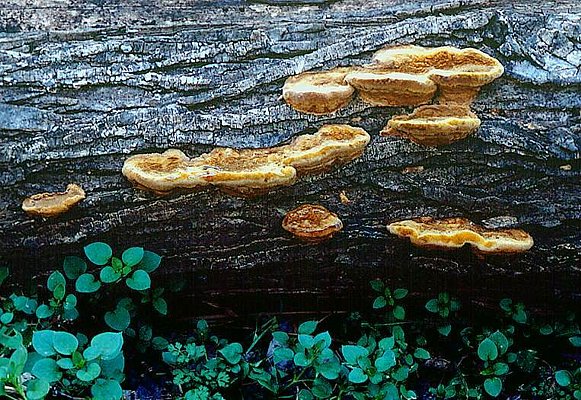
(53, 204)
(434, 125)
(453, 233)
(312, 223)
(247, 172)
(459, 73)
(321, 92)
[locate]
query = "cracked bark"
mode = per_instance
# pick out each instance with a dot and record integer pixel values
(85, 84)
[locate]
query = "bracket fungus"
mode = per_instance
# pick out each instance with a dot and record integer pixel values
(453, 233)
(318, 93)
(53, 204)
(459, 73)
(434, 125)
(382, 87)
(247, 172)
(312, 223)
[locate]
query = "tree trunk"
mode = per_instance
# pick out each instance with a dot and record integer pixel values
(85, 84)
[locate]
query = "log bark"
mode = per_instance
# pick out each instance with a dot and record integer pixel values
(84, 84)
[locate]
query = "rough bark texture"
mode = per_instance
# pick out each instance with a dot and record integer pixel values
(84, 84)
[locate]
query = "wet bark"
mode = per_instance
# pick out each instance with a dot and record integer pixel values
(84, 85)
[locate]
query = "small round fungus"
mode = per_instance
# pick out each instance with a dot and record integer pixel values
(434, 125)
(387, 88)
(312, 223)
(248, 172)
(53, 204)
(459, 73)
(453, 233)
(321, 92)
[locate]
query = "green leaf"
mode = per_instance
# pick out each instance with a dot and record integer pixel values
(150, 261)
(37, 389)
(493, 386)
(160, 305)
(401, 373)
(422, 354)
(306, 341)
(90, 372)
(400, 293)
(575, 341)
(42, 342)
(43, 311)
(323, 337)
(487, 350)
(357, 376)
(86, 283)
(4, 272)
(386, 361)
(377, 285)
(546, 330)
(501, 341)
(432, 306)
(379, 302)
(563, 378)
(90, 353)
(301, 360)
(7, 317)
(98, 253)
(65, 343)
(74, 267)
(445, 330)
(330, 369)
(280, 337)
(159, 343)
(139, 280)
(55, 279)
(500, 368)
(106, 389)
(304, 394)
(145, 333)
(232, 353)
(17, 360)
(399, 312)
(132, 256)
(47, 370)
(118, 319)
(352, 353)
(113, 369)
(308, 327)
(65, 363)
(108, 344)
(70, 302)
(109, 275)
(59, 292)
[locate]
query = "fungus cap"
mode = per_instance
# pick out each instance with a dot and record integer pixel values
(459, 73)
(382, 87)
(247, 172)
(320, 92)
(330, 145)
(312, 223)
(453, 233)
(53, 204)
(434, 125)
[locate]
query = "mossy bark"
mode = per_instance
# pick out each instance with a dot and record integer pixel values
(83, 85)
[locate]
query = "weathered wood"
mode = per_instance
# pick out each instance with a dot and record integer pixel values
(84, 84)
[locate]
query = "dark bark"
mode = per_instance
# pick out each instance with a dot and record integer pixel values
(84, 85)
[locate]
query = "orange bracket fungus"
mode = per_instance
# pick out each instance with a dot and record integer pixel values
(248, 172)
(382, 87)
(453, 233)
(318, 92)
(312, 223)
(434, 125)
(53, 204)
(459, 73)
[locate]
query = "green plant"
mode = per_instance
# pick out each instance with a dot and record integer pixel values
(39, 352)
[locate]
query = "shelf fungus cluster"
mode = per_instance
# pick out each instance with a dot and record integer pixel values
(53, 204)
(248, 172)
(434, 125)
(453, 233)
(405, 76)
(312, 223)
